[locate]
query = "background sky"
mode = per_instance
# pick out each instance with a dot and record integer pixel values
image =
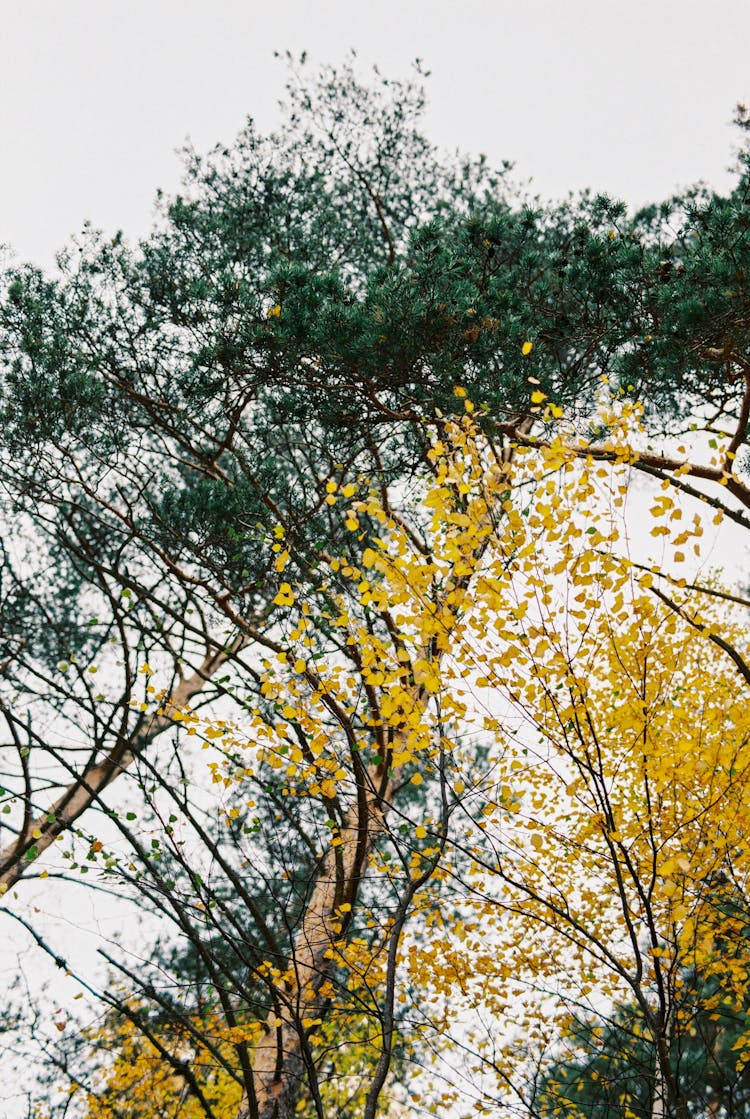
(634, 97)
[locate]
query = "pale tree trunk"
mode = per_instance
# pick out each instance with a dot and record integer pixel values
(16, 857)
(658, 1109)
(668, 1103)
(279, 1067)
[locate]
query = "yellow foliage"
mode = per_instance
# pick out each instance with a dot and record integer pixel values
(136, 1082)
(610, 794)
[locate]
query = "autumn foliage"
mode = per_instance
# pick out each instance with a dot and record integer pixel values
(523, 753)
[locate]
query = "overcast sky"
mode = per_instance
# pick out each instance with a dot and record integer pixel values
(630, 96)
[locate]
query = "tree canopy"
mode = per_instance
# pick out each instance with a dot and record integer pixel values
(335, 475)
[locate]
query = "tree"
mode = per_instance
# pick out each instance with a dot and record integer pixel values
(184, 424)
(617, 855)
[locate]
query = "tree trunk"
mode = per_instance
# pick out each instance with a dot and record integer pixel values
(279, 1066)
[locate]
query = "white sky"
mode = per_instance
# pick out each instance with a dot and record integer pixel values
(629, 96)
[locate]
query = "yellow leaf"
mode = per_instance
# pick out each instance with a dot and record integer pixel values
(526, 348)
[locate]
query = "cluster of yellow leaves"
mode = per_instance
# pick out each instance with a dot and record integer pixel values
(138, 1083)
(619, 796)
(382, 686)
